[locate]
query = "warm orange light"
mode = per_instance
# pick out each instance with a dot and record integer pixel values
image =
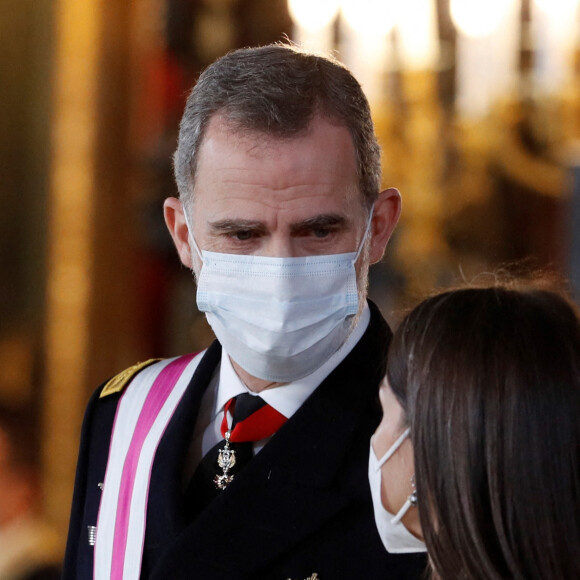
(369, 16)
(478, 18)
(417, 28)
(69, 260)
(558, 7)
(313, 14)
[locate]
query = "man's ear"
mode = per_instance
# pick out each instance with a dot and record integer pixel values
(174, 218)
(385, 217)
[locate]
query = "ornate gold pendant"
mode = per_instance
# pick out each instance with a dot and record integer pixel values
(226, 460)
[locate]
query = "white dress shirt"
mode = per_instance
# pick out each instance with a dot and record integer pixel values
(286, 398)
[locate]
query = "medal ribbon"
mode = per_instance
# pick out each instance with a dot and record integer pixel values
(252, 419)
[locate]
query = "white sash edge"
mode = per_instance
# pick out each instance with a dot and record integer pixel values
(128, 413)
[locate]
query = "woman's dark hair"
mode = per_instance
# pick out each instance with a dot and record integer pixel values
(490, 381)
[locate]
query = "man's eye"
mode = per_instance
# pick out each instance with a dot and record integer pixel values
(321, 232)
(243, 235)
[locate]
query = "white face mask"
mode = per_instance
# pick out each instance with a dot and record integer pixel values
(395, 536)
(279, 318)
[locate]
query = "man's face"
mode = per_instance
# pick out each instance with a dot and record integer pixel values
(296, 197)
(280, 197)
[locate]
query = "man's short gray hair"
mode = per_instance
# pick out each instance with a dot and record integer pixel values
(277, 90)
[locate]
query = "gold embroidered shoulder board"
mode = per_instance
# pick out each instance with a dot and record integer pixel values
(120, 381)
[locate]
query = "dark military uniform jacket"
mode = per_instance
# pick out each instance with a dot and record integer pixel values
(301, 509)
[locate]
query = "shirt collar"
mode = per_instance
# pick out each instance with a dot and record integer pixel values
(287, 398)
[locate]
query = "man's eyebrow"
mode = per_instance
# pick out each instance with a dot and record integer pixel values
(236, 225)
(319, 221)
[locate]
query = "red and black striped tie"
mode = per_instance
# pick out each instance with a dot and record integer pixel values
(252, 419)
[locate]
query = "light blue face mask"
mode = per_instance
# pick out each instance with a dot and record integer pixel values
(279, 318)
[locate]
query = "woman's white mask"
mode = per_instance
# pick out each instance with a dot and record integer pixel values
(395, 536)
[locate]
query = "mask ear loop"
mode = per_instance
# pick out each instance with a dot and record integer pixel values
(394, 447)
(191, 236)
(364, 239)
(412, 498)
(411, 502)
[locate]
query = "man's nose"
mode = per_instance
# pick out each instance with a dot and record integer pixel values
(279, 247)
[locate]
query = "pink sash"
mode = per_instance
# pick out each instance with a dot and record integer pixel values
(143, 414)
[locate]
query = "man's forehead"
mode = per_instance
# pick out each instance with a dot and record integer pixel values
(240, 131)
(240, 175)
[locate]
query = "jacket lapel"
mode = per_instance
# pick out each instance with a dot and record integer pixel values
(291, 488)
(165, 517)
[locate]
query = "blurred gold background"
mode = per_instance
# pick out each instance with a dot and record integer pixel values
(479, 132)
